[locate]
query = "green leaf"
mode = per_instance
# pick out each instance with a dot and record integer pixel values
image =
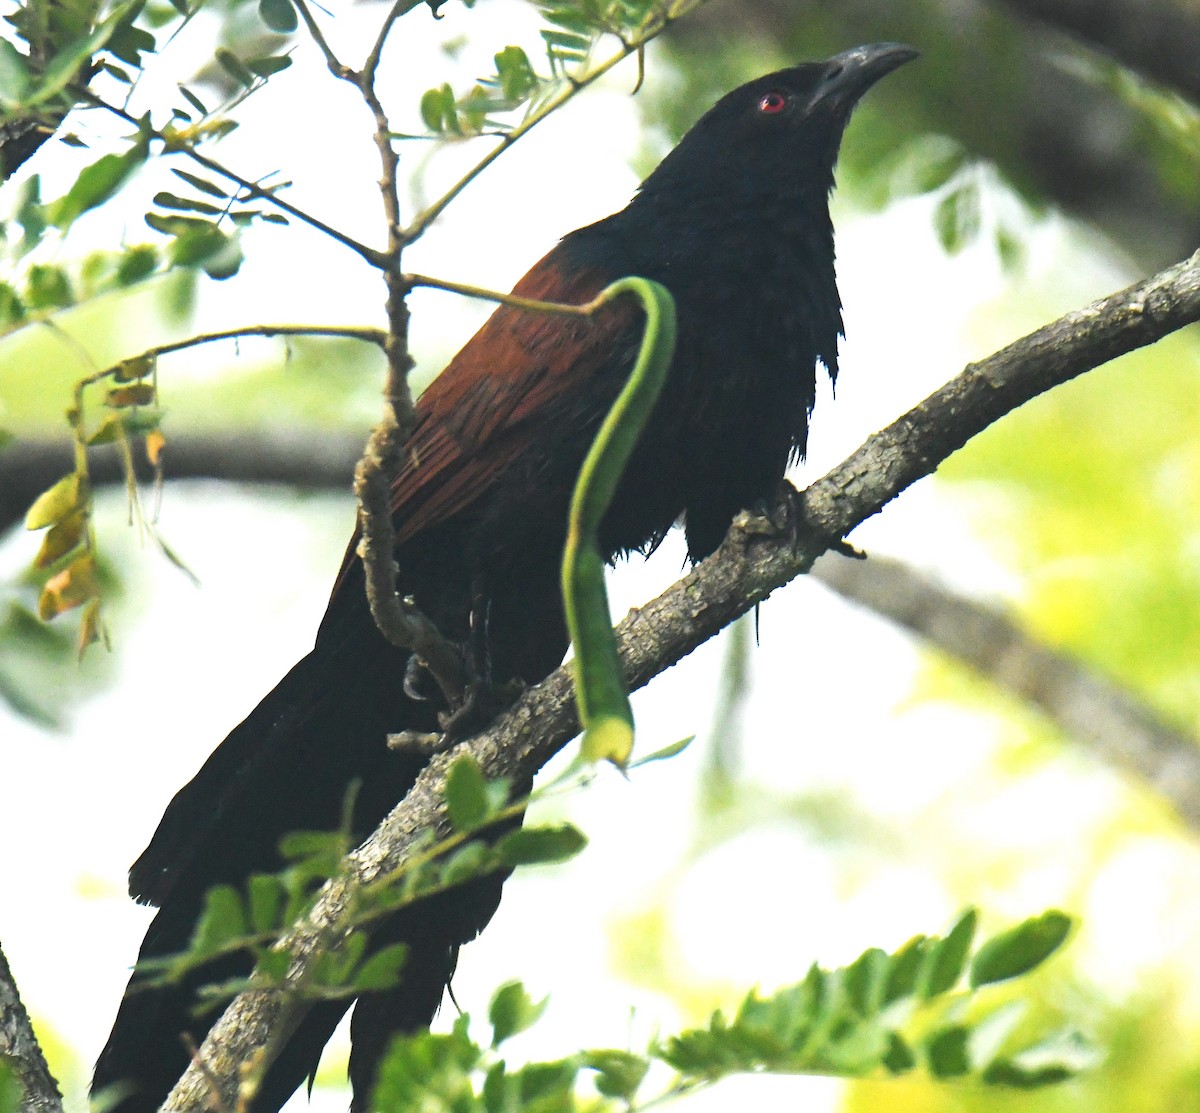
(431, 109)
(938, 161)
(947, 1052)
(12, 308)
(428, 1071)
(30, 213)
(1055, 1059)
(195, 102)
(383, 969)
(1020, 949)
(268, 64)
(905, 968)
(540, 845)
(946, 958)
(866, 981)
(899, 1058)
(48, 287)
(136, 262)
(279, 15)
(439, 112)
(265, 894)
(517, 79)
(957, 217)
(272, 964)
(14, 75)
(166, 200)
(618, 1073)
(512, 1010)
(222, 922)
(673, 750)
(11, 1091)
(571, 19)
(97, 183)
(466, 864)
(466, 794)
(234, 66)
(63, 68)
(129, 42)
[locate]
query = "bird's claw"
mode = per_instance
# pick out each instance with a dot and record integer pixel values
(482, 702)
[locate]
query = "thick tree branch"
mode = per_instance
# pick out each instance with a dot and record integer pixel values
(1089, 707)
(19, 1048)
(311, 459)
(745, 570)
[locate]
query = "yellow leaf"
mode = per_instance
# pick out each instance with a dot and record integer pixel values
(61, 539)
(155, 443)
(91, 629)
(54, 504)
(109, 430)
(73, 586)
(139, 394)
(130, 370)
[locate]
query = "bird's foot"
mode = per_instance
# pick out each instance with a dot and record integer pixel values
(422, 743)
(482, 702)
(783, 517)
(771, 518)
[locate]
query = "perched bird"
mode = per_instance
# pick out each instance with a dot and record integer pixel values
(735, 223)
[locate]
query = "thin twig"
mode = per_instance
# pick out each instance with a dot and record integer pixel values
(515, 300)
(336, 66)
(174, 145)
(572, 86)
(399, 9)
(368, 335)
(370, 254)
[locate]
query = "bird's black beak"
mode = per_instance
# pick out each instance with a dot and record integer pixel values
(850, 74)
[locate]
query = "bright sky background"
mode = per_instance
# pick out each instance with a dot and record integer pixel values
(827, 710)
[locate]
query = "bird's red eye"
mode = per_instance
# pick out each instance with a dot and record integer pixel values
(772, 103)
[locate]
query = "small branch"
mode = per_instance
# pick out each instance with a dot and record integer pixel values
(743, 572)
(20, 1048)
(673, 12)
(369, 335)
(1105, 716)
(516, 301)
(370, 254)
(336, 66)
(398, 620)
(174, 145)
(398, 10)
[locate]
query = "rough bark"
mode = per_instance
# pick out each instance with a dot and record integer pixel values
(19, 1048)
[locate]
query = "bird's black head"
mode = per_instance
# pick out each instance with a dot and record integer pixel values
(777, 133)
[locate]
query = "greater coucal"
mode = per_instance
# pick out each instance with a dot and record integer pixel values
(735, 223)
